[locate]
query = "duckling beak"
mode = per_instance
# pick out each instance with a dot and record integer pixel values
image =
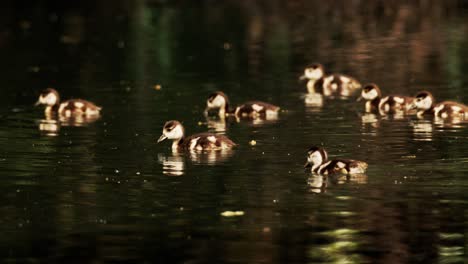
(162, 138)
(359, 98)
(37, 103)
(303, 77)
(307, 165)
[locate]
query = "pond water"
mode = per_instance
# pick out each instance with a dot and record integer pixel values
(104, 191)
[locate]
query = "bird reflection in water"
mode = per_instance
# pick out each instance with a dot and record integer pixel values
(211, 157)
(173, 165)
(51, 125)
(317, 183)
(219, 125)
(370, 123)
(320, 183)
(261, 121)
(216, 124)
(78, 120)
(313, 102)
(422, 129)
(455, 122)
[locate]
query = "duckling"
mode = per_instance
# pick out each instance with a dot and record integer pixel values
(333, 84)
(372, 94)
(425, 103)
(317, 158)
(204, 141)
(73, 107)
(253, 109)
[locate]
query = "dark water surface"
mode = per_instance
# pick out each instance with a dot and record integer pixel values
(106, 192)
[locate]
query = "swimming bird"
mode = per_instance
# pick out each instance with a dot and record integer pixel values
(388, 104)
(252, 109)
(204, 141)
(317, 159)
(425, 103)
(328, 85)
(74, 107)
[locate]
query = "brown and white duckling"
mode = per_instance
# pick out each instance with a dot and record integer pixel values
(425, 104)
(204, 141)
(317, 158)
(73, 107)
(252, 109)
(372, 94)
(333, 84)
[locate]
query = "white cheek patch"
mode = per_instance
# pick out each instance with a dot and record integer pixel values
(371, 95)
(257, 108)
(316, 158)
(314, 74)
(425, 104)
(175, 133)
(49, 99)
(217, 102)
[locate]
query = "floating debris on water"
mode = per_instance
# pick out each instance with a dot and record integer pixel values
(157, 87)
(253, 142)
(232, 213)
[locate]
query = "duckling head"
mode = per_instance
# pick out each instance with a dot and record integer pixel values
(313, 72)
(217, 100)
(422, 101)
(316, 156)
(370, 92)
(172, 130)
(49, 97)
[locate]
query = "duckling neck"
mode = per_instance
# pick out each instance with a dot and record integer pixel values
(372, 104)
(51, 109)
(315, 86)
(177, 144)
